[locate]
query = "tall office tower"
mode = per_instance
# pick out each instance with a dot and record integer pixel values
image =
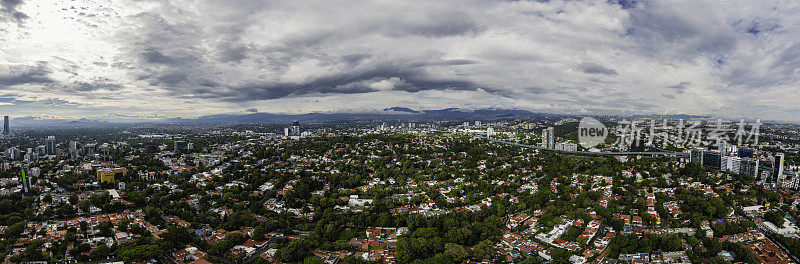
(286, 131)
(477, 123)
(489, 132)
(50, 145)
(73, 146)
(41, 150)
(732, 164)
(5, 126)
(778, 172)
(723, 149)
(294, 130)
(711, 160)
(548, 139)
(466, 124)
(724, 164)
(696, 155)
(765, 172)
(736, 165)
(12, 153)
(26, 184)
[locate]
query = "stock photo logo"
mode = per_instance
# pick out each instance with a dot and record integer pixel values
(591, 132)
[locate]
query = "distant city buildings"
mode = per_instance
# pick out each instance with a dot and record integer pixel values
(566, 146)
(766, 169)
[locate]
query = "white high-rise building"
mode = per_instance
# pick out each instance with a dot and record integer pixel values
(548, 139)
(490, 132)
(12, 153)
(731, 164)
(779, 157)
(477, 123)
(791, 180)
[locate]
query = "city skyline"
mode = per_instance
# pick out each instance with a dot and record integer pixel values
(164, 59)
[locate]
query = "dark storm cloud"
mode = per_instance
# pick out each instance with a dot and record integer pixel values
(788, 60)
(355, 59)
(230, 52)
(9, 12)
(594, 68)
(456, 24)
(446, 63)
(625, 4)
(780, 67)
(680, 87)
(93, 85)
(15, 75)
(756, 26)
(412, 80)
(678, 30)
(155, 55)
(170, 79)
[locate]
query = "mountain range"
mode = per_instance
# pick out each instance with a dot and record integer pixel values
(392, 114)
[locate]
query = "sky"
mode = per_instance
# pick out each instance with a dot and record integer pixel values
(148, 59)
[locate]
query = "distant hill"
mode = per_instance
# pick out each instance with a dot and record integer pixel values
(400, 109)
(681, 116)
(391, 114)
(400, 114)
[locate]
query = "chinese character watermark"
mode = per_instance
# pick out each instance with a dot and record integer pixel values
(669, 133)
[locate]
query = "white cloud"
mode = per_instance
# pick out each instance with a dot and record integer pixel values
(190, 58)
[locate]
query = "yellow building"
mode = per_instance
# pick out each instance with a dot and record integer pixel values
(111, 174)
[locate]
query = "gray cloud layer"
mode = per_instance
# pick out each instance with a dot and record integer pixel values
(177, 58)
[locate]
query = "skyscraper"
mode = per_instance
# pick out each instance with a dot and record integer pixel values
(696, 155)
(50, 145)
(723, 152)
(26, 184)
(778, 172)
(294, 130)
(5, 126)
(548, 139)
(749, 166)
